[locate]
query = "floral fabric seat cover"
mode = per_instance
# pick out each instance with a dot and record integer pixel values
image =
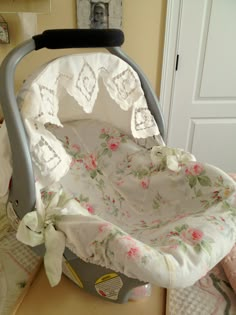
(107, 186)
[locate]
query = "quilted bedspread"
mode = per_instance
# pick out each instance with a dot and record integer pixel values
(211, 295)
(18, 264)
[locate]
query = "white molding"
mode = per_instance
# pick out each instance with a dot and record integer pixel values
(173, 18)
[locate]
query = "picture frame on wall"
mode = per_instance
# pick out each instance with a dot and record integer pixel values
(4, 33)
(96, 14)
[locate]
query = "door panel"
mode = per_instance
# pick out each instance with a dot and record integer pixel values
(208, 130)
(203, 112)
(219, 62)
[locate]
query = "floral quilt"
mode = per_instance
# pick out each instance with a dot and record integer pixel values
(156, 215)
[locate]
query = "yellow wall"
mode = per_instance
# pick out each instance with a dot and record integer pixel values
(143, 25)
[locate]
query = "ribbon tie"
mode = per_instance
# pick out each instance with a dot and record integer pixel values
(39, 226)
(32, 232)
(172, 158)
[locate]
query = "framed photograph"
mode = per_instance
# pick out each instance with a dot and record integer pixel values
(4, 33)
(96, 14)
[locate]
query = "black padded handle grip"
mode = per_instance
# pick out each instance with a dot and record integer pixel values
(79, 38)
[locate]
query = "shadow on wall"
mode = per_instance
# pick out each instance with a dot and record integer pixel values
(1, 115)
(160, 50)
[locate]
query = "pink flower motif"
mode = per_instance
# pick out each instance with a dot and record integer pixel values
(145, 183)
(212, 217)
(120, 182)
(172, 234)
(179, 217)
(103, 227)
(233, 175)
(76, 147)
(67, 140)
(105, 131)
(197, 235)
(192, 236)
(156, 221)
(197, 169)
(113, 143)
(188, 171)
(133, 252)
(89, 208)
(73, 162)
(90, 162)
(127, 238)
(174, 246)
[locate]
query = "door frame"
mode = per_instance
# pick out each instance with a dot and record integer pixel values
(171, 43)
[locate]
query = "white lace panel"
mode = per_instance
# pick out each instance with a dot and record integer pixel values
(96, 86)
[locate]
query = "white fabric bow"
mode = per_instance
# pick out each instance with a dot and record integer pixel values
(172, 158)
(39, 226)
(32, 232)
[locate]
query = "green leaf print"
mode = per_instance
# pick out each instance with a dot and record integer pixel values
(220, 180)
(140, 173)
(204, 181)
(183, 246)
(198, 193)
(64, 199)
(205, 203)
(100, 183)
(197, 248)
(104, 136)
(144, 260)
(181, 228)
(93, 174)
(231, 209)
(226, 205)
(99, 172)
(47, 196)
(105, 151)
(192, 181)
(155, 204)
(83, 198)
(205, 245)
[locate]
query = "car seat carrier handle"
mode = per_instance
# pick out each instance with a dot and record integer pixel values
(79, 38)
(22, 186)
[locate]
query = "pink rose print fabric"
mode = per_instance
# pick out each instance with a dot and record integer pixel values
(142, 216)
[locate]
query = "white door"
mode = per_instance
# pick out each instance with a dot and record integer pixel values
(202, 111)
